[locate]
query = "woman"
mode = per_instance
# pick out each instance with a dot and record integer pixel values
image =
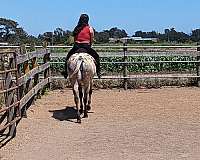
(83, 38)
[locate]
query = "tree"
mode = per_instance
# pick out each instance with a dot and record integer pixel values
(152, 34)
(11, 33)
(195, 36)
(139, 34)
(102, 37)
(7, 28)
(58, 36)
(117, 33)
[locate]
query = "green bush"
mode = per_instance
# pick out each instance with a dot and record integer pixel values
(115, 68)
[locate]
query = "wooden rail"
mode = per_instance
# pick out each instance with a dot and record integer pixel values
(20, 84)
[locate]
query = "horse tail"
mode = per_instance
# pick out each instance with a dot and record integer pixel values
(78, 69)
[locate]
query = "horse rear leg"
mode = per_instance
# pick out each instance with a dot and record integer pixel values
(90, 96)
(85, 99)
(76, 99)
(81, 99)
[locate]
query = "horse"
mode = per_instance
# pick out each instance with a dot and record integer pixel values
(81, 70)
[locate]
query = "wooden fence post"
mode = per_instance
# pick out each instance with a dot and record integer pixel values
(10, 96)
(36, 76)
(18, 111)
(125, 66)
(21, 87)
(198, 65)
(25, 87)
(47, 73)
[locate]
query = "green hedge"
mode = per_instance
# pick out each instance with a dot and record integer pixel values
(139, 68)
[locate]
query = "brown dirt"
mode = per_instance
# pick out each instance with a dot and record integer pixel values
(154, 124)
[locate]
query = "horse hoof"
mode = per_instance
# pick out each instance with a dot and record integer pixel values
(78, 121)
(88, 108)
(81, 111)
(85, 116)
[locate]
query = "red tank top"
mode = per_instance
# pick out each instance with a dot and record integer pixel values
(84, 36)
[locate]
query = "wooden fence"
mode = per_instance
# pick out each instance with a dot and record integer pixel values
(139, 50)
(20, 83)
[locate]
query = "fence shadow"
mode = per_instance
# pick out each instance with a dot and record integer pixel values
(5, 138)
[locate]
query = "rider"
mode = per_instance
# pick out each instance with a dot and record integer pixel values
(83, 38)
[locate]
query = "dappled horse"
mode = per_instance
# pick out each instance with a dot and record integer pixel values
(81, 69)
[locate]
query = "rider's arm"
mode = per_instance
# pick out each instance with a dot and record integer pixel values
(91, 34)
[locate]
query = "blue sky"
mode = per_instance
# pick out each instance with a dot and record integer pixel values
(39, 16)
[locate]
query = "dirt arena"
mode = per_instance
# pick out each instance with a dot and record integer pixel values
(153, 124)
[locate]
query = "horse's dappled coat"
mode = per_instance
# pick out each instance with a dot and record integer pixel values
(81, 68)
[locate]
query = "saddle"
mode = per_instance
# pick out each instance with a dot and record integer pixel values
(81, 50)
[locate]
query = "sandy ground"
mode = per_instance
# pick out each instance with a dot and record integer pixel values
(154, 124)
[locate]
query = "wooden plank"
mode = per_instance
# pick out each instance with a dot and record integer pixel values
(11, 116)
(10, 123)
(8, 90)
(22, 58)
(36, 76)
(9, 70)
(28, 56)
(6, 108)
(8, 80)
(44, 66)
(41, 52)
(23, 79)
(41, 84)
(33, 91)
(9, 99)
(37, 53)
(27, 97)
(31, 73)
(32, 55)
(6, 51)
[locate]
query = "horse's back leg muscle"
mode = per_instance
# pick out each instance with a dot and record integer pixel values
(76, 99)
(81, 99)
(86, 98)
(90, 96)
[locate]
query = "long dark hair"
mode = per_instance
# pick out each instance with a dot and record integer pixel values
(83, 21)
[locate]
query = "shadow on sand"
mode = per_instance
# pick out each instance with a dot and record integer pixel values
(67, 114)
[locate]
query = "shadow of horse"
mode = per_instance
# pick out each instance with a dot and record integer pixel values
(69, 113)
